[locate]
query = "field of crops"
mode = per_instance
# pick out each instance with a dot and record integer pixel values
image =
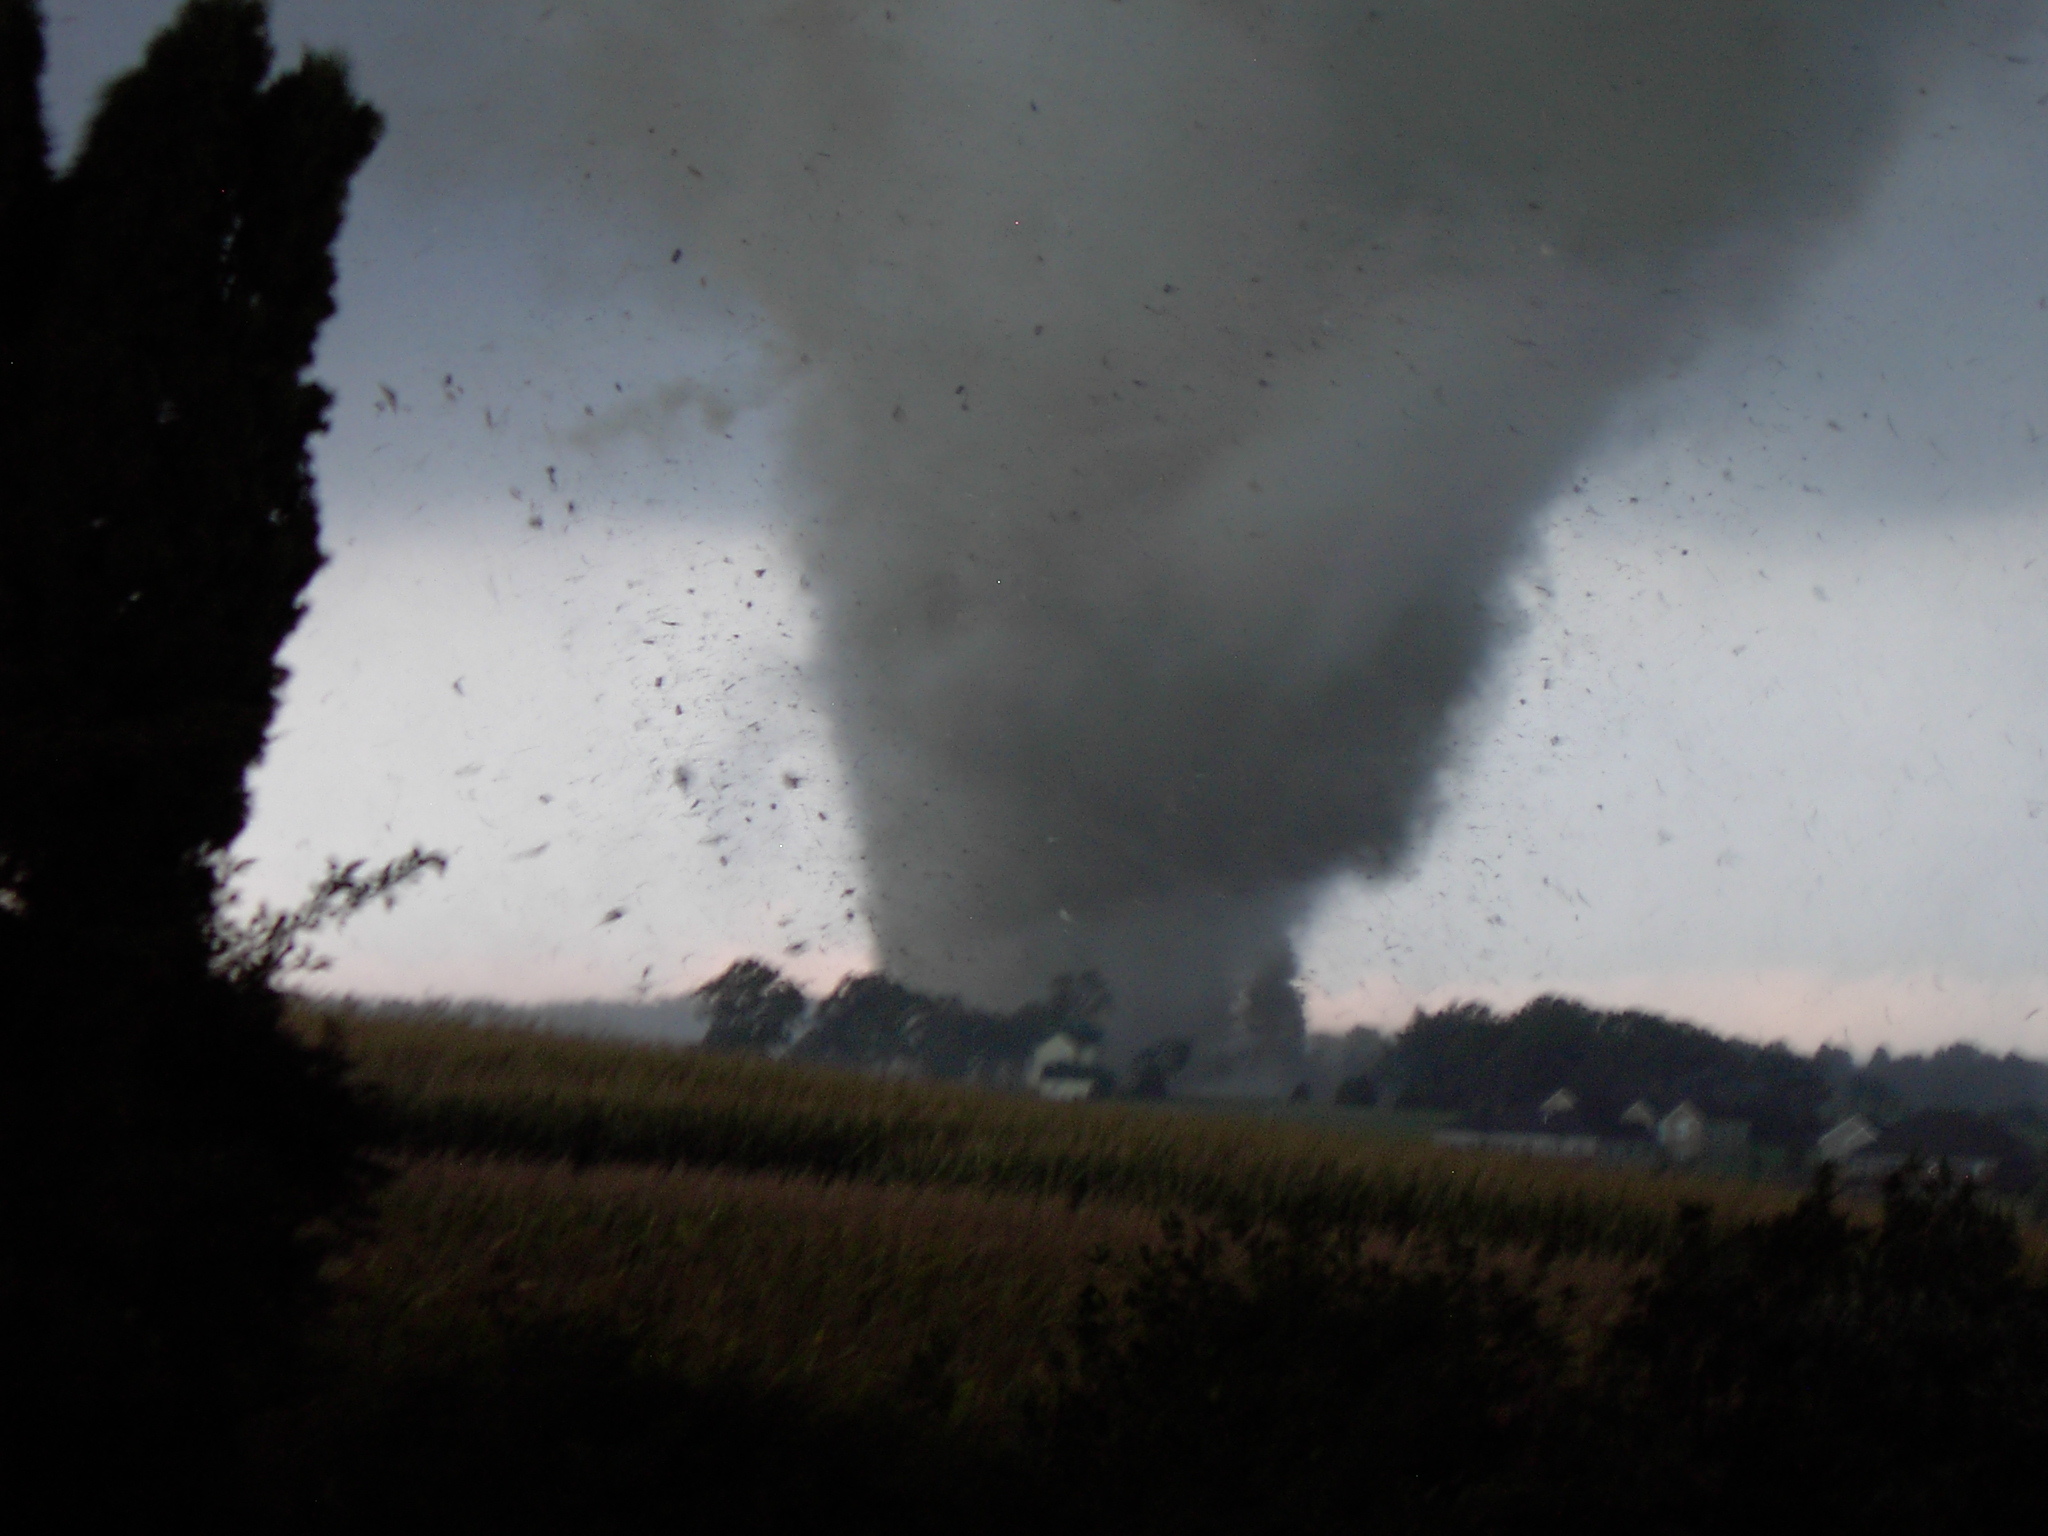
(841, 1292)
(857, 1242)
(621, 1272)
(503, 1093)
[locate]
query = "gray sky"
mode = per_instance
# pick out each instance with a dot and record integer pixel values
(1771, 751)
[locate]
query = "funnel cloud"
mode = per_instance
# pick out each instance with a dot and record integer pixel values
(1175, 383)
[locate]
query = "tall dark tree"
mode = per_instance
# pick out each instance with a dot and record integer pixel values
(166, 1150)
(867, 1021)
(1272, 1007)
(752, 1007)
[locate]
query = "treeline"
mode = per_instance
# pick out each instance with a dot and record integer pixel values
(1469, 1060)
(1472, 1060)
(1956, 1077)
(874, 1021)
(1464, 1059)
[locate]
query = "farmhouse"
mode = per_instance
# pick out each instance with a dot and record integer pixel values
(1843, 1141)
(1065, 1066)
(1683, 1133)
(1973, 1146)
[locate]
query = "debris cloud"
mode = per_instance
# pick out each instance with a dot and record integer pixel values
(1176, 383)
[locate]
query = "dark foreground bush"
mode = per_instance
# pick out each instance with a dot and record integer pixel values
(1787, 1372)
(561, 1422)
(1814, 1367)
(1266, 1380)
(1784, 1373)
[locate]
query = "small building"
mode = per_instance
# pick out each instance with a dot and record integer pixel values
(1972, 1146)
(1066, 1064)
(1683, 1133)
(1844, 1140)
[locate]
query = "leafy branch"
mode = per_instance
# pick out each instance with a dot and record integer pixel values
(271, 943)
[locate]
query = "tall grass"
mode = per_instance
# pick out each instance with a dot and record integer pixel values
(844, 1293)
(521, 1094)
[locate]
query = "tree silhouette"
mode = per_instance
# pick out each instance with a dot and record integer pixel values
(1466, 1058)
(752, 1008)
(1154, 1067)
(167, 1147)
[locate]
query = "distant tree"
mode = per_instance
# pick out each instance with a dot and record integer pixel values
(169, 1157)
(1853, 1092)
(875, 1020)
(1957, 1076)
(1358, 1091)
(1075, 1002)
(1272, 1007)
(1961, 1136)
(1154, 1067)
(866, 1021)
(752, 1009)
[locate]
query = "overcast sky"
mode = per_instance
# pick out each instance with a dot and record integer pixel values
(1771, 751)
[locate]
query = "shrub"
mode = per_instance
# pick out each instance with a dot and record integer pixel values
(1272, 1379)
(1811, 1366)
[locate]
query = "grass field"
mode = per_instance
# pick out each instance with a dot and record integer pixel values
(858, 1242)
(500, 1093)
(616, 1271)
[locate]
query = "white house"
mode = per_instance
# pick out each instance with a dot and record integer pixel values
(1064, 1066)
(1683, 1133)
(1845, 1140)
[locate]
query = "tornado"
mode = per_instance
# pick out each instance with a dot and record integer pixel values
(1176, 382)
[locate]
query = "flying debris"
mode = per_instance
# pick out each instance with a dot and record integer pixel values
(1132, 658)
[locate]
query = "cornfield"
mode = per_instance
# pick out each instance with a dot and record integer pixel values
(504, 1093)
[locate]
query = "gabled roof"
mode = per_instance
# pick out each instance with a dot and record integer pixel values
(1847, 1138)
